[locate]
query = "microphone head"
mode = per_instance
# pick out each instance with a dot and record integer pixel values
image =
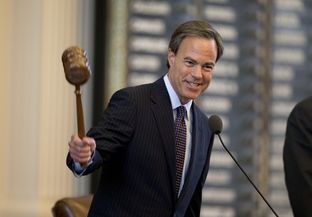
(215, 123)
(76, 66)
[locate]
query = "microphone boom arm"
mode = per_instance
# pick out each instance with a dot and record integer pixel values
(246, 175)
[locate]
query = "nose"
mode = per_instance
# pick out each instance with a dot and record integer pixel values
(197, 72)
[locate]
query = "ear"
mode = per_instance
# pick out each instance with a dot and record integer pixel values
(171, 57)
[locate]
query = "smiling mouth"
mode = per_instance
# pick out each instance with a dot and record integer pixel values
(193, 84)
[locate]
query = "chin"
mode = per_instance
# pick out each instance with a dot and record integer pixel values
(192, 96)
(189, 98)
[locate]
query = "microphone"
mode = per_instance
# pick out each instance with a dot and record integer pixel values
(77, 72)
(215, 123)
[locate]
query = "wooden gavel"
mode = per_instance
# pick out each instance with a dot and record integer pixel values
(77, 72)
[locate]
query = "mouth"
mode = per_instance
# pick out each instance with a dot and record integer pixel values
(193, 84)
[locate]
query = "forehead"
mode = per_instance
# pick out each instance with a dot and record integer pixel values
(198, 47)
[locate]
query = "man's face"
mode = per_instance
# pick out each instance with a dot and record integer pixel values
(191, 67)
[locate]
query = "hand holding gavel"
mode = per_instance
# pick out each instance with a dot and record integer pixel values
(80, 150)
(77, 72)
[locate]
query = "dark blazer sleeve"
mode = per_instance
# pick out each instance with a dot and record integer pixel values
(297, 156)
(113, 131)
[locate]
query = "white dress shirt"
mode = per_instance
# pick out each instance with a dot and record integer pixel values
(175, 102)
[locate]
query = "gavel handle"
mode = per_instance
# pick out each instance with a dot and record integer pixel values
(80, 119)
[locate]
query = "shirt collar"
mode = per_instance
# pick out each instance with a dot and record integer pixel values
(175, 101)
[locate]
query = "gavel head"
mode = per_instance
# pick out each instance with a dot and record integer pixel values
(76, 66)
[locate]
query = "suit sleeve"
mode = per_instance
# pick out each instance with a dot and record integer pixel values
(114, 130)
(297, 158)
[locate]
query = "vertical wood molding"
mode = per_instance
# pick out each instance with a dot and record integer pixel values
(20, 196)
(39, 115)
(61, 28)
(5, 44)
(56, 99)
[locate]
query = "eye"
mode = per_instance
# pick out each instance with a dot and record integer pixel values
(207, 68)
(189, 63)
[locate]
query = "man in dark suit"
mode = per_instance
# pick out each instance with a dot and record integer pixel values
(143, 173)
(298, 158)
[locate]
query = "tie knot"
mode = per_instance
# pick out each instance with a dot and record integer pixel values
(181, 111)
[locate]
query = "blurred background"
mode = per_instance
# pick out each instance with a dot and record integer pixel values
(265, 70)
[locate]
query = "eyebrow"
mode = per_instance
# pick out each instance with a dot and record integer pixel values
(207, 63)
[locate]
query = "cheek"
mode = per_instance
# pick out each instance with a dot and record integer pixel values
(207, 79)
(186, 72)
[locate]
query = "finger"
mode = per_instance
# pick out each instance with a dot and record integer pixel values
(81, 151)
(75, 141)
(74, 157)
(75, 138)
(93, 145)
(90, 142)
(83, 157)
(81, 160)
(74, 147)
(80, 156)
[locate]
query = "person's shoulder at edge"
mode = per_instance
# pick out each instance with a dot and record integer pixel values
(303, 105)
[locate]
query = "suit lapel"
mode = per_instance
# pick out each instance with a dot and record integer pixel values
(198, 154)
(162, 110)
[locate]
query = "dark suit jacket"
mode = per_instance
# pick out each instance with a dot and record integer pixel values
(298, 158)
(136, 150)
